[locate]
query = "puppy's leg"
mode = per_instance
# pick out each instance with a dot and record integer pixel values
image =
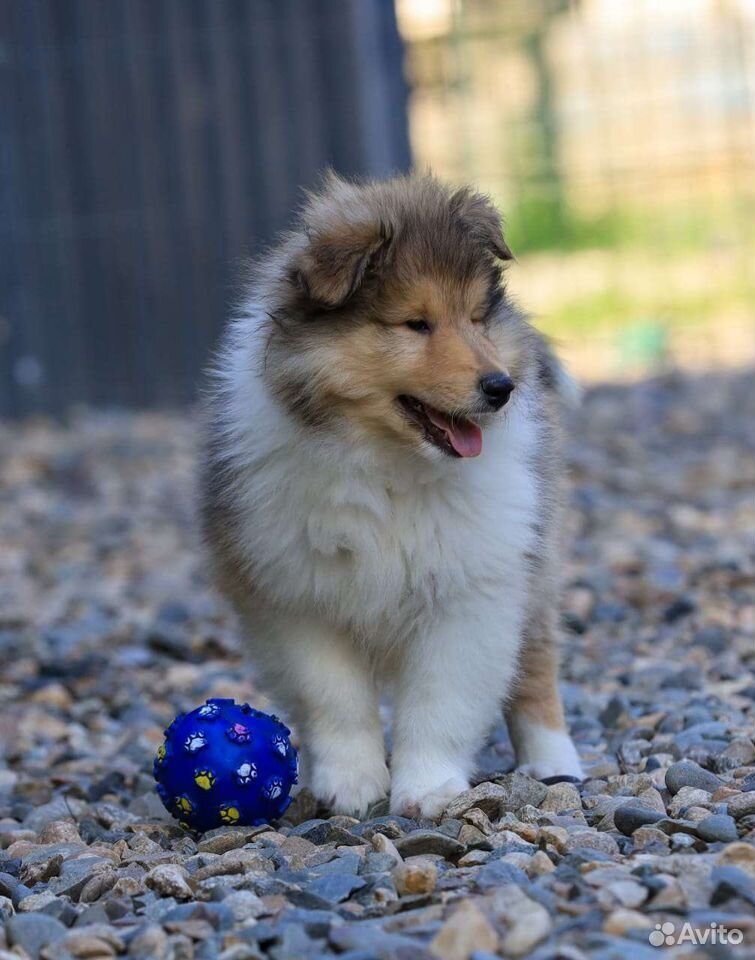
(453, 678)
(535, 714)
(325, 685)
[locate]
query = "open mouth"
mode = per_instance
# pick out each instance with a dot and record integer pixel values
(456, 436)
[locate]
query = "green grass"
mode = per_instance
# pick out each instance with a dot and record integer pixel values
(692, 263)
(542, 221)
(612, 308)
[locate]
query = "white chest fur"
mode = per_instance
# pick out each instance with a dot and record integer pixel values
(375, 551)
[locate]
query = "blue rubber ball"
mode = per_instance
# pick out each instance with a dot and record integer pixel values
(225, 763)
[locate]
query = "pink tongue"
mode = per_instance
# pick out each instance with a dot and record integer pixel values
(463, 435)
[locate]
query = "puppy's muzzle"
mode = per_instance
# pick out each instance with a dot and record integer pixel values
(496, 388)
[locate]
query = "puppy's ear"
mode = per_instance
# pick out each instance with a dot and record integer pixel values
(483, 221)
(342, 235)
(336, 257)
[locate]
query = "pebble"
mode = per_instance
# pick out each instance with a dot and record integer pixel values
(527, 921)
(687, 797)
(628, 819)
(520, 791)
(335, 887)
(86, 945)
(244, 905)
(686, 773)
(429, 841)
(739, 855)
(109, 629)
(717, 828)
(33, 931)
(561, 797)
(148, 941)
(491, 798)
(729, 882)
(591, 840)
(466, 930)
(621, 921)
(741, 805)
(169, 880)
(415, 876)
(386, 846)
(326, 832)
(226, 838)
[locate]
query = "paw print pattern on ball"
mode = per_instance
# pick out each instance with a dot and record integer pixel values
(209, 711)
(195, 742)
(273, 788)
(229, 813)
(225, 763)
(239, 733)
(204, 779)
(246, 773)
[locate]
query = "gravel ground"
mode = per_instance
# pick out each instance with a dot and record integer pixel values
(107, 629)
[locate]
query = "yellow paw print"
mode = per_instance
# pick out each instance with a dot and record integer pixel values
(229, 814)
(184, 804)
(205, 779)
(161, 751)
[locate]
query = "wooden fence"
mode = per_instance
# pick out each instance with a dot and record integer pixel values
(146, 146)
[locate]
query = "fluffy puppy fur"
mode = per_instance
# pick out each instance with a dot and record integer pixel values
(379, 515)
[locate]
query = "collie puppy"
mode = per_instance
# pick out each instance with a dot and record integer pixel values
(381, 493)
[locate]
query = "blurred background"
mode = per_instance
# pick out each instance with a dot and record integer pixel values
(148, 146)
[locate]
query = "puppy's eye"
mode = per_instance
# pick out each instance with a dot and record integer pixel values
(419, 326)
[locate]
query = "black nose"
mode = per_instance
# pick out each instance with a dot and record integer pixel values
(497, 388)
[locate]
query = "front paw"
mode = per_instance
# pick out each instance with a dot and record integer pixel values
(551, 754)
(551, 771)
(350, 788)
(419, 801)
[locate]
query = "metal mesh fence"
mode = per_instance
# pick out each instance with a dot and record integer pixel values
(619, 140)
